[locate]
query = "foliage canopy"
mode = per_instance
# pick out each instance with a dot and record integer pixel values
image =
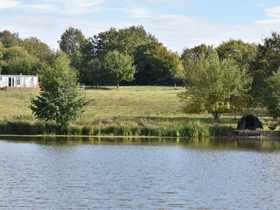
(119, 67)
(17, 60)
(71, 40)
(60, 100)
(271, 96)
(213, 85)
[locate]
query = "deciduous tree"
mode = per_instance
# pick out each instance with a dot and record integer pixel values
(212, 84)
(266, 62)
(156, 64)
(193, 53)
(17, 60)
(9, 39)
(37, 48)
(2, 51)
(123, 40)
(94, 71)
(118, 67)
(271, 96)
(71, 40)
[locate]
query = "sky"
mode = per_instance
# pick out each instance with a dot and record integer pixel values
(176, 23)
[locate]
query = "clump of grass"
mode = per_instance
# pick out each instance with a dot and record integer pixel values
(75, 130)
(222, 130)
(87, 130)
(51, 128)
(39, 128)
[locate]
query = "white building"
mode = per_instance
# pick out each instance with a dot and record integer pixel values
(19, 81)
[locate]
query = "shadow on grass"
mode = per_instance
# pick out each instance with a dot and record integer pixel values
(98, 88)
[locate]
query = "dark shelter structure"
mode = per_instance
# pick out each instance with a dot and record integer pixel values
(249, 122)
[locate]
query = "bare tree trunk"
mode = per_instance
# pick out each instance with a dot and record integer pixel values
(118, 84)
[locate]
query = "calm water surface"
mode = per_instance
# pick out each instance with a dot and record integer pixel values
(83, 173)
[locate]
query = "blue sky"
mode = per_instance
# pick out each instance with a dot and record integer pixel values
(176, 23)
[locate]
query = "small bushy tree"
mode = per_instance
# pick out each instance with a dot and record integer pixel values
(214, 85)
(118, 67)
(59, 99)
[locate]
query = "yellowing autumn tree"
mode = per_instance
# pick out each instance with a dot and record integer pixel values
(214, 86)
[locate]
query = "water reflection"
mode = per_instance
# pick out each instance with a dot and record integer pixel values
(214, 143)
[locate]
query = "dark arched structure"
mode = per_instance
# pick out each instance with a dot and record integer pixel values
(249, 122)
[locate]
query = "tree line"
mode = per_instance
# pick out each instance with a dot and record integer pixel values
(231, 76)
(130, 55)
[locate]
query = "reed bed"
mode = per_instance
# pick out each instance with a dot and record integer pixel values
(174, 129)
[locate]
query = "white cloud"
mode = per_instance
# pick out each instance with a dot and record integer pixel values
(78, 7)
(175, 32)
(273, 12)
(42, 8)
(8, 4)
(49, 28)
(137, 12)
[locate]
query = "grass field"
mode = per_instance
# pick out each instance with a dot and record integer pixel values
(130, 103)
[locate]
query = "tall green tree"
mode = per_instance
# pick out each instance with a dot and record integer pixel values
(59, 99)
(213, 85)
(156, 64)
(190, 55)
(95, 72)
(9, 39)
(71, 40)
(81, 58)
(2, 51)
(267, 62)
(118, 67)
(38, 49)
(17, 60)
(271, 96)
(243, 53)
(193, 53)
(123, 40)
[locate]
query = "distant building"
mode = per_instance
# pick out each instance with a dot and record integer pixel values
(19, 81)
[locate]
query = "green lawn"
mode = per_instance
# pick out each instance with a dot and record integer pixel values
(127, 104)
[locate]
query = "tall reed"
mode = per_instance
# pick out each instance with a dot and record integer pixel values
(118, 128)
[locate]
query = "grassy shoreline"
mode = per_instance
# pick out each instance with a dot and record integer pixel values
(131, 111)
(171, 129)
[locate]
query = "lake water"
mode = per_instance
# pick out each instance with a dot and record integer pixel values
(91, 173)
